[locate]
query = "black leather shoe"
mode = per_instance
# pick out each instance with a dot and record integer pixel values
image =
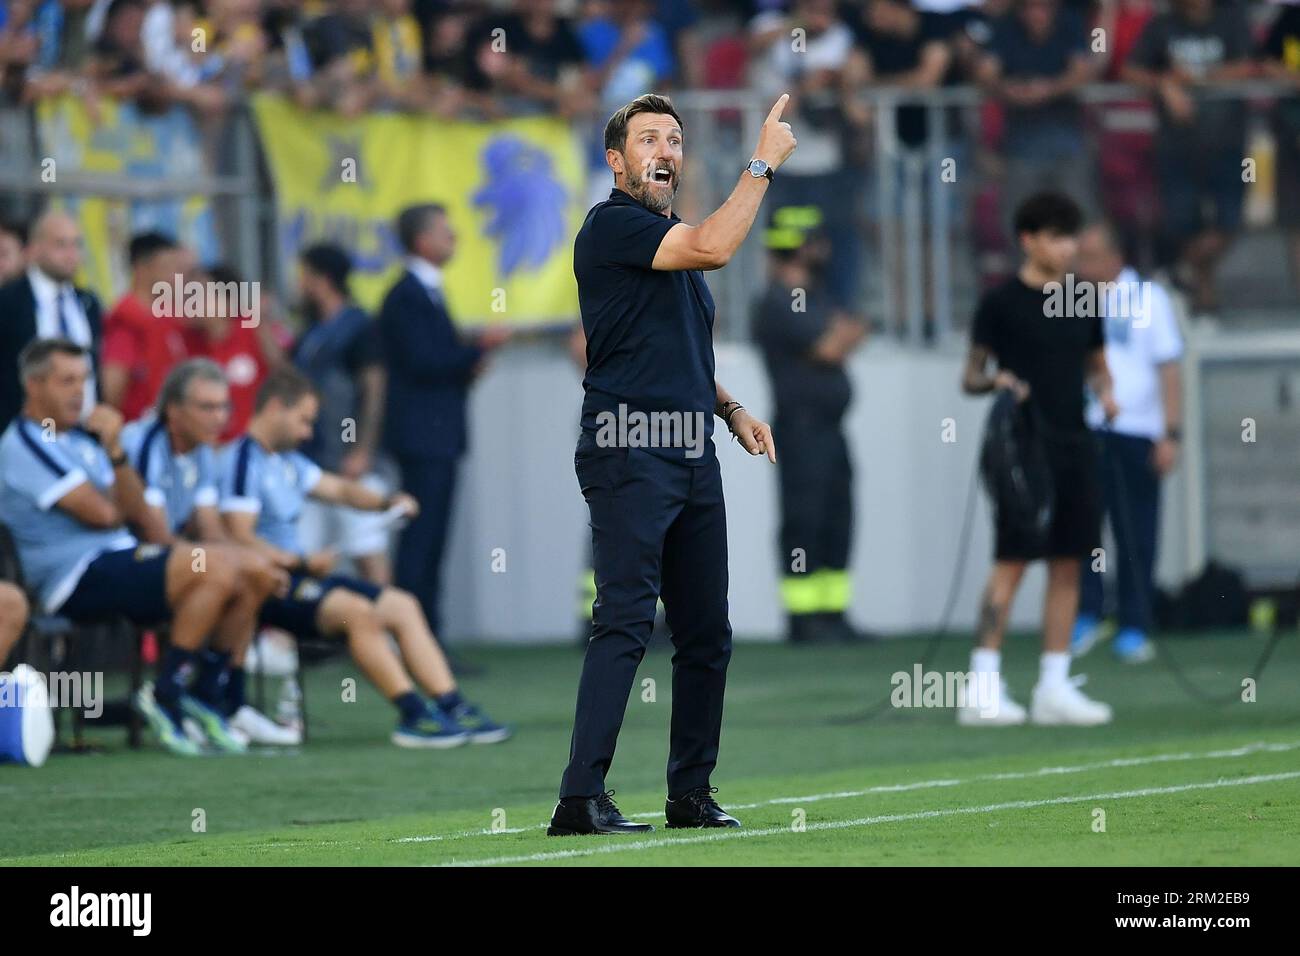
(697, 809)
(598, 814)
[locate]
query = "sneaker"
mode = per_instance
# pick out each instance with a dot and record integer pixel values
(1004, 712)
(482, 728)
(257, 728)
(1087, 632)
(271, 656)
(212, 724)
(430, 730)
(165, 727)
(1133, 647)
(1063, 703)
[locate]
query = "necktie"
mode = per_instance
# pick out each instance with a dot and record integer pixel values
(63, 306)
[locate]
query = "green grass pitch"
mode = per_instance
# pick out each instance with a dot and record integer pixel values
(1172, 781)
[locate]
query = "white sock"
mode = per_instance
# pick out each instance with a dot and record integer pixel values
(1054, 668)
(985, 660)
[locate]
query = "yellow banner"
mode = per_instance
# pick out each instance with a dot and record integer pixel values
(119, 139)
(513, 191)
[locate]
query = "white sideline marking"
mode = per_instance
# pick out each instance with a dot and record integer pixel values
(1243, 751)
(622, 846)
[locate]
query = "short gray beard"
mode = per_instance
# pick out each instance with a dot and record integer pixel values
(652, 199)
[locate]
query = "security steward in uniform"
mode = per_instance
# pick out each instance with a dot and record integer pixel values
(805, 341)
(658, 521)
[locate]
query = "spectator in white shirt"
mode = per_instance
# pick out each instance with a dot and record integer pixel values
(1143, 349)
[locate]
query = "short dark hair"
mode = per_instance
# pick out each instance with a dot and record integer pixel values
(330, 261)
(287, 384)
(616, 128)
(35, 357)
(413, 221)
(146, 245)
(14, 227)
(1049, 211)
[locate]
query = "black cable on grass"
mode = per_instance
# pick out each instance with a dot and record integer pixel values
(1162, 652)
(945, 619)
(959, 574)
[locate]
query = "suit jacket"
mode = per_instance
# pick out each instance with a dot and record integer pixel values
(429, 373)
(18, 327)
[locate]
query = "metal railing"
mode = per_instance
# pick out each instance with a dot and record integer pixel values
(932, 291)
(919, 271)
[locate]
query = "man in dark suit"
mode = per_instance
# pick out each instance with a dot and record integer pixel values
(429, 373)
(43, 303)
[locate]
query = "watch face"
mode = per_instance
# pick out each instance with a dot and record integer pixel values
(757, 167)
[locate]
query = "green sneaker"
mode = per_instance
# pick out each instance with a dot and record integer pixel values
(213, 725)
(430, 730)
(168, 732)
(482, 729)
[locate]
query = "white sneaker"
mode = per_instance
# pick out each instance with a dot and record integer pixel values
(1063, 703)
(260, 729)
(1003, 712)
(271, 656)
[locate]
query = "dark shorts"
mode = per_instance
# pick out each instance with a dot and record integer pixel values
(297, 612)
(1076, 517)
(1200, 192)
(130, 582)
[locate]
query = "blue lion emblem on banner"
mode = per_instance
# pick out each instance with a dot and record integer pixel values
(524, 202)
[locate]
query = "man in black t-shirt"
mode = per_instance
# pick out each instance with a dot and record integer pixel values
(645, 462)
(1181, 53)
(1044, 351)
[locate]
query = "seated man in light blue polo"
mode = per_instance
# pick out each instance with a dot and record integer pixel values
(67, 493)
(264, 482)
(173, 451)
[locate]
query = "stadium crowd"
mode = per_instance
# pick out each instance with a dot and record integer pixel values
(1165, 165)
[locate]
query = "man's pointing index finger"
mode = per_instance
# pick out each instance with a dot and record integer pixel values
(775, 115)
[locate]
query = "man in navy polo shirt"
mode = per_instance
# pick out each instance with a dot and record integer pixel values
(645, 461)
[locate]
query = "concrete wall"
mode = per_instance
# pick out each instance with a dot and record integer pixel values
(518, 494)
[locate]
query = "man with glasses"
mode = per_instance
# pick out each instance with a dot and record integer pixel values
(173, 452)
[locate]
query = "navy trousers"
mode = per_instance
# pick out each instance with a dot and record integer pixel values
(1131, 499)
(816, 479)
(658, 528)
(431, 481)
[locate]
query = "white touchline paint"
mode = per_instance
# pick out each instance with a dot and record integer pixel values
(1243, 751)
(624, 846)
